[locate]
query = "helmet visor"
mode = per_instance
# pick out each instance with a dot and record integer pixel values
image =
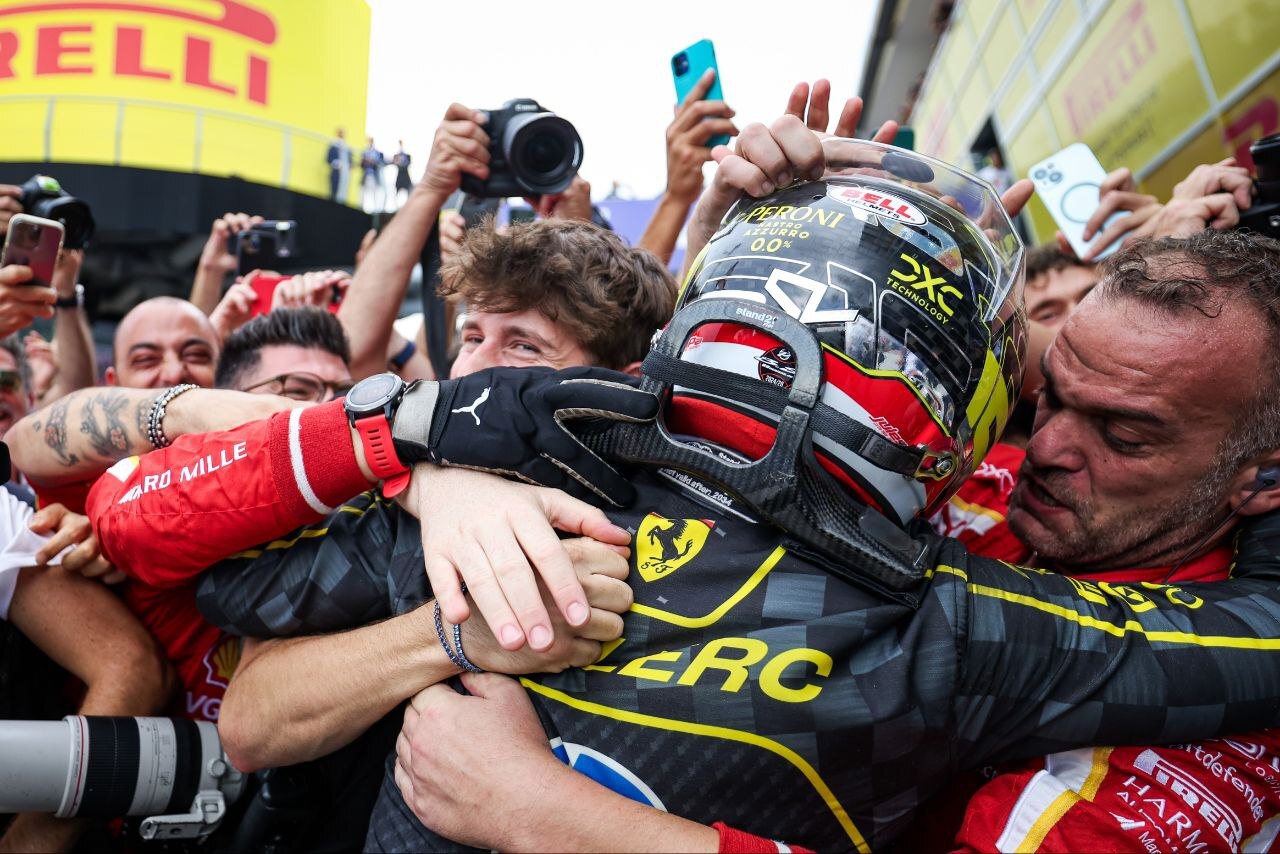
(969, 196)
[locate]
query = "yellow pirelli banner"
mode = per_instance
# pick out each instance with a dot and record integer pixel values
(247, 89)
(1158, 86)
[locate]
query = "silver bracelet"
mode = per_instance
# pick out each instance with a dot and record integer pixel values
(155, 423)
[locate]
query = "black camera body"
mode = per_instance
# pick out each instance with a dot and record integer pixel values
(1263, 216)
(264, 243)
(532, 151)
(43, 196)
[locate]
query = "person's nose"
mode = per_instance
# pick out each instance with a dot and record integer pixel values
(1055, 441)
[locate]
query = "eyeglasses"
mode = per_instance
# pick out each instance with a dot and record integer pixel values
(10, 382)
(297, 386)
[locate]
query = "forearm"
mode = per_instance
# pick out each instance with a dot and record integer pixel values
(206, 290)
(277, 713)
(599, 820)
(663, 231)
(220, 492)
(86, 630)
(74, 344)
(79, 435)
(378, 289)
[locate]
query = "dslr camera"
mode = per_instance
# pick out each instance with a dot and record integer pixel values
(262, 244)
(44, 197)
(532, 151)
(1263, 216)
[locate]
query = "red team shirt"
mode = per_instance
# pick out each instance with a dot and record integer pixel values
(244, 486)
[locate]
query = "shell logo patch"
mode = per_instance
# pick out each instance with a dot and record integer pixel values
(664, 545)
(221, 660)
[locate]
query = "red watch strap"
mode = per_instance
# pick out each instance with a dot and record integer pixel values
(380, 454)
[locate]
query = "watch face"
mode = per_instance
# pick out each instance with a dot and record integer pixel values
(373, 393)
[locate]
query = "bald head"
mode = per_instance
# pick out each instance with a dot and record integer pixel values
(163, 342)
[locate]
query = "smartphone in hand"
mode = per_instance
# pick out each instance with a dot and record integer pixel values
(687, 67)
(33, 242)
(1068, 184)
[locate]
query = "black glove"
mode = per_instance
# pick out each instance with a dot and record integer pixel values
(511, 421)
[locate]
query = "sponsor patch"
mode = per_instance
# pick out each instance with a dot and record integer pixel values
(879, 203)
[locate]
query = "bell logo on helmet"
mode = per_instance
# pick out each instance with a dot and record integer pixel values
(879, 203)
(921, 279)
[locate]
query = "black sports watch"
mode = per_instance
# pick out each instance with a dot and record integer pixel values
(371, 404)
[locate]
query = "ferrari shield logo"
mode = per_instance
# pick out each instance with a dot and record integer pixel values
(664, 545)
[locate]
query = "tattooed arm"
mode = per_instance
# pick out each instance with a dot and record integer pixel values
(79, 436)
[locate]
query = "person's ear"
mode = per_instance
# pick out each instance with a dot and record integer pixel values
(109, 375)
(633, 369)
(1262, 478)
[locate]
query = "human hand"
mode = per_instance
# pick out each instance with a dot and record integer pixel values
(42, 361)
(66, 271)
(1118, 192)
(818, 113)
(460, 146)
(71, 530)
(215, 255)
(236, 307)
(764, 159)
(602, 573)
(515, 421)
(1222, 177)
(21, 303)
(498, 754)
(573, 203)
(453, 230)
(1211, 196)
(695, 122)
(9, 205)
(315, 289)
(491, 534)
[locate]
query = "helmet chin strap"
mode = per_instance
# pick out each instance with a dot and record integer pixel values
(786, 487)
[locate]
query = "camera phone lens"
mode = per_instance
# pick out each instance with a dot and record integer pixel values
(681, 63)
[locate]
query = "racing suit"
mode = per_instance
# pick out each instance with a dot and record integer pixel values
(297, 463)
(743, 662)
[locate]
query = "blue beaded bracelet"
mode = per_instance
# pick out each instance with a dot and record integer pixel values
(459, 659)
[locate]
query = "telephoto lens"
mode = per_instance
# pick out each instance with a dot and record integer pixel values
(171, 770)
(532, 152)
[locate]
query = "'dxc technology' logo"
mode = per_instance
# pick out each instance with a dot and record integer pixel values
(70, 49)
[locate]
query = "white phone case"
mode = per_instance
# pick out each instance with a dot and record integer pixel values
(1068, 184)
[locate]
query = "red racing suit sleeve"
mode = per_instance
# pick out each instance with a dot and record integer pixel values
(163, 517)
(734, 841)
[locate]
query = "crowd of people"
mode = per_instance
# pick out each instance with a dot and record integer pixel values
(895, 535)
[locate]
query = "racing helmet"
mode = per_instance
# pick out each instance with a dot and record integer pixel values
(909, 273)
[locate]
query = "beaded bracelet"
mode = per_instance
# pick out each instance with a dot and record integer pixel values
(459, 659)
(155, 423)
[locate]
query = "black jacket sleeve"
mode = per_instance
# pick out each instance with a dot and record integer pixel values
(325, 577)
(1051, 663)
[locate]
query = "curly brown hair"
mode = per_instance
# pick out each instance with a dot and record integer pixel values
(608, 296)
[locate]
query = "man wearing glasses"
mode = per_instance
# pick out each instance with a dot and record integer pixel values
(298, 353)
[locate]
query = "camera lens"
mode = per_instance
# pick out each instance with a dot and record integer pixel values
(680, 64)
(1266, 158)
(544, 152)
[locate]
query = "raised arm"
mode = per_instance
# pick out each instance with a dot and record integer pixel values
(378, 289)
(71, 336)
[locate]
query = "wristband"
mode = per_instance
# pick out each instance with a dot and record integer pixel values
(399, 360)
(76, 300)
